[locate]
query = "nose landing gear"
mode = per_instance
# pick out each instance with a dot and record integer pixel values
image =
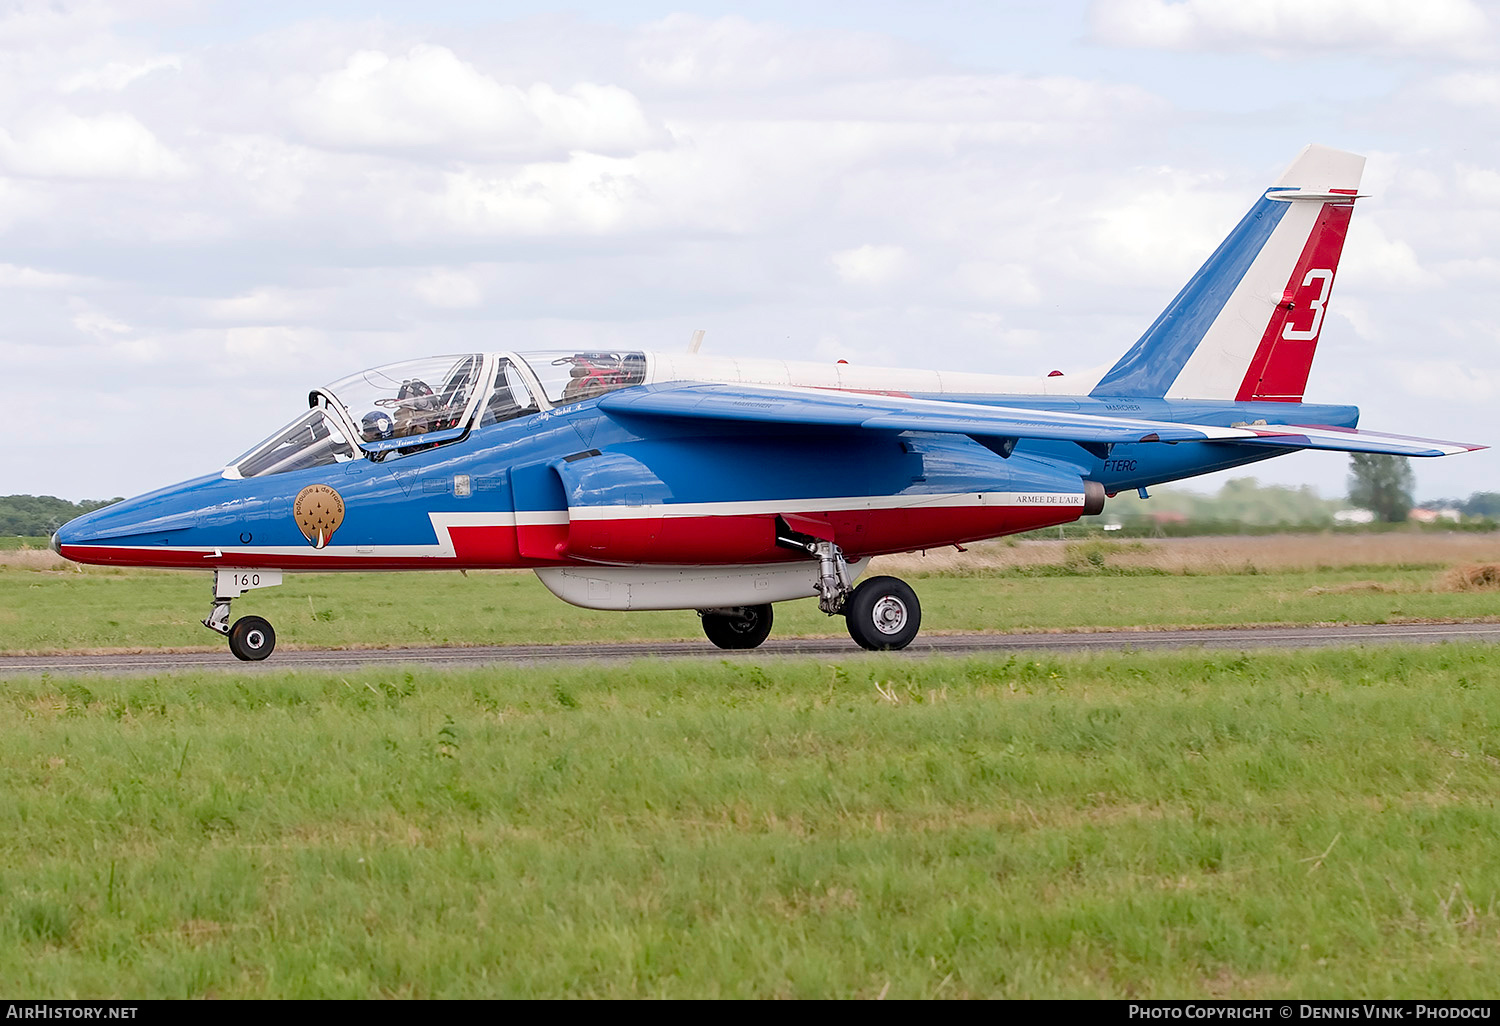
(250, 637)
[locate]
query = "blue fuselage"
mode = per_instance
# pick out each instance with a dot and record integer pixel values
(578, 483)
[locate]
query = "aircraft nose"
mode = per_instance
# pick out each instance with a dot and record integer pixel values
(52, 544)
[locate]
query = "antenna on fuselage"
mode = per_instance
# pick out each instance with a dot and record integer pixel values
(696, 341)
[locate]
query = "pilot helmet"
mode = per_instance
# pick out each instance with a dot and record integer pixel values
(416, 392)
(376, 425)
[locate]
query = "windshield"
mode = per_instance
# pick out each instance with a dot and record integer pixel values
(409, 399)
(570, 376)
(312, 440)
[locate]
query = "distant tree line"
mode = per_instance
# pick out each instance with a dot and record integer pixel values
(1479, 504)
(35, 516)
(1379, 483)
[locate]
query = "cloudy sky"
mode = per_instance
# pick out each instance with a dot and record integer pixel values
(206, 208)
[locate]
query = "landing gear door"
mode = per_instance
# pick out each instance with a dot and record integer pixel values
(541, 512)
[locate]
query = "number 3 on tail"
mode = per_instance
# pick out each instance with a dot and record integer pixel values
(1325, 277)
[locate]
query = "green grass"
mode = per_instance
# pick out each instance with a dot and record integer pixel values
(1148, 825)
(67, 610)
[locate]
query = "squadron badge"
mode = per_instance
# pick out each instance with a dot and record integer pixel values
(318, 510)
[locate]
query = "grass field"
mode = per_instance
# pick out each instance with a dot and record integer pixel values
(1282, 825)
(47, 605)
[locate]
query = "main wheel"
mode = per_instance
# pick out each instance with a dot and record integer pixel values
(251, 638)
(883, 613)
(746, 630)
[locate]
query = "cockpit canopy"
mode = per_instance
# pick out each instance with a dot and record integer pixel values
(569, 376)
(417, 404)
(312, 440)
(404, 401)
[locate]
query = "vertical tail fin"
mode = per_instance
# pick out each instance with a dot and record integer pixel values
(1246, 325)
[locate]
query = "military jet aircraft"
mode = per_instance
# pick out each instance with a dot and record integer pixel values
(630, 480)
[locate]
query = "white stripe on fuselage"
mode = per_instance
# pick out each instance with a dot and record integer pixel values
(443, 523)
(838, 505)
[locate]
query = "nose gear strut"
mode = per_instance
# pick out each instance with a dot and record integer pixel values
(218, 618)
(250, 637)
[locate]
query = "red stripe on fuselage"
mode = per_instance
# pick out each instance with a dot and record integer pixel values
(1278, 371)
(711, 540)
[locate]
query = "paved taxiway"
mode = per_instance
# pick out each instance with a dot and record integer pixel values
(841, 648)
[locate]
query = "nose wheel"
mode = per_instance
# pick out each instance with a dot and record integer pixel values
(251, 638)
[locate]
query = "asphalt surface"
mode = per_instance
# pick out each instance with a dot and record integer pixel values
(842, 648)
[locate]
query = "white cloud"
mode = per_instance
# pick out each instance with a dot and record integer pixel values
(1161, 230)
(266, 305)
(56, 143)
(586, 194)
(1445, 380)
(1481, 184)
(30, 279)
(1432, 27)
(690, 53)
(870, 264)
(1357, 313)
(427, 98)
(1002, 284)
(116, 75)
(1373, 260)
(274, 343)
(99, 325)
(448, 290)
(1482, 269)
(1032, 104)
(1468, 88)
(30, 22)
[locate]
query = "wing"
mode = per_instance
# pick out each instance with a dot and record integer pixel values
(828, 408)
(813, 407)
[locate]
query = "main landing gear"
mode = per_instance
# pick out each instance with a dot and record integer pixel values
(881, 613)
(250, 637)
(738, 626)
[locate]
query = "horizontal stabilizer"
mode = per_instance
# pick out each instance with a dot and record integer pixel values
(1337, 439)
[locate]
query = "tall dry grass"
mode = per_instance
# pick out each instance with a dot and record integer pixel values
(1206, 555)
(33, 559)
(1473, 577)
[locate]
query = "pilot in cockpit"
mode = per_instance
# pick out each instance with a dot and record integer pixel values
(416, 408)
(377, 426)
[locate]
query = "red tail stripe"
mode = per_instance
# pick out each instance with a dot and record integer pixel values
(1278, 371)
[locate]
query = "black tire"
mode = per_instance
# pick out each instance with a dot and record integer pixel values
(883, 614)
(744, 631)
(251, 638)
